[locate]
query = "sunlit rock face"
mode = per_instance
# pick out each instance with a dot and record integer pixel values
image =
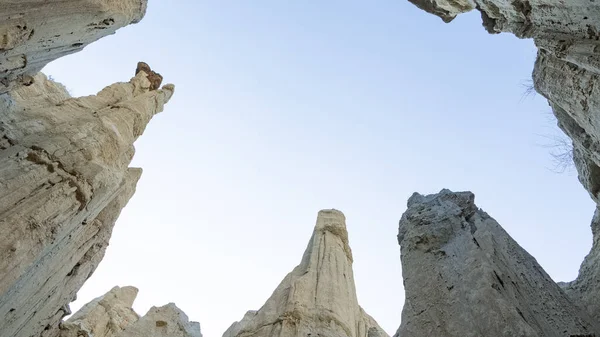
(465, 276)
(64, 178)
(35, 32)
(111, 315)
(318, 298)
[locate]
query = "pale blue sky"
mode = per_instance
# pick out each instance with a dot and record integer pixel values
(282, 109)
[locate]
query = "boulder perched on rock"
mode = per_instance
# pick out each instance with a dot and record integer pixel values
(318, 298)
(464, 276)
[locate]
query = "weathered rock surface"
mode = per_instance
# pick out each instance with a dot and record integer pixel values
(105, 316)
(64, 178)
(567, 73)
(585, 289)
(35, 32)
(318, 298)
(465, 276)
(112, 316)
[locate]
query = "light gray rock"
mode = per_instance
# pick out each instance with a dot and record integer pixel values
(584, 290)
(106, 316)
(64, 178)
(318, 298)
(465, 276)
(36, 32)
(567, 73)
(111, 315)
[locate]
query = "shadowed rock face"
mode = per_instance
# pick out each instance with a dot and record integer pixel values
(567, 73)
(36, 32)
(112, 316)
(318, 298)
(64, 178)
(584, 290)
(465, 276)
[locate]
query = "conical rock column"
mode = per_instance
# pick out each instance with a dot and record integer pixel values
(318, 298)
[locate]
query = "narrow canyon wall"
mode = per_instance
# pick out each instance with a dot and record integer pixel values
(318, 298)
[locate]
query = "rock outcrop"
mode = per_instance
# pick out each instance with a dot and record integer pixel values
(112, 316)
(35, 32)
(465, 276)
(567, 73)
(64, 178)
(64, 174)
(585, 289)
(318, 298)
(106, 316)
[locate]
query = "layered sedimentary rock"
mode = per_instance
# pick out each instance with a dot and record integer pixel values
(64, 178)
(112, 316)
(35, 32)
(318, 298)
(465, 276)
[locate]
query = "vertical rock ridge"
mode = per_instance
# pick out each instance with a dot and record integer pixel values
(319, 296)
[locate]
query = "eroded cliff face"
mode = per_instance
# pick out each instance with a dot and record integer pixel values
(112, 316)
(64, 180)
(318, 298)
(35, 32)
(465, 276)
(566, 72)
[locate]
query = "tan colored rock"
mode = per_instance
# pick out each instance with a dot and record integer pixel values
(165, 321)
(464, 276)
(105, 316)
(318, 298)
(64, 178)
(112, 316)
(35, 32)
(567, 73)
(584, 290)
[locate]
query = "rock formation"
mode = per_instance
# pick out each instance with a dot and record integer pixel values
(585, 289)
(567, 73)
(106, 316)
(112, 316)
(318, 298)
(465, 276)
(35, 32)
(64, 174)
(65, 178)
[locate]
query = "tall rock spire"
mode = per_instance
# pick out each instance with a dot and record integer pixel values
(318, 298)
